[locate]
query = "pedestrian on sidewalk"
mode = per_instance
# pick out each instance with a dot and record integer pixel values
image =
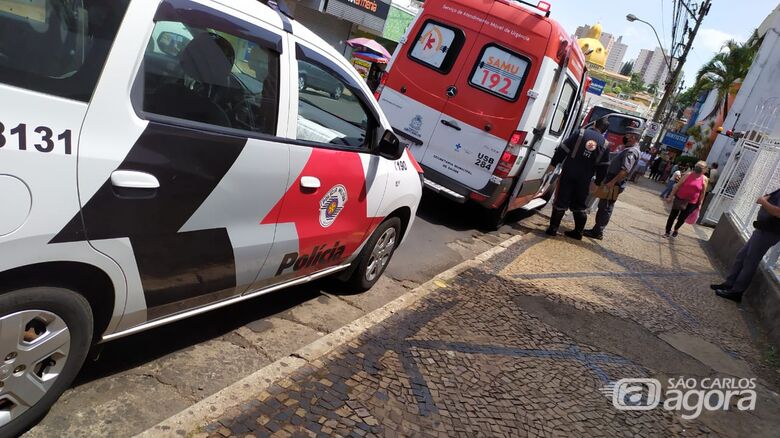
(655, 167)
(674, 179)
(765, 236)
(666, 171)
(619, 168)
(582, 154)
(641, 168)
(686, 197)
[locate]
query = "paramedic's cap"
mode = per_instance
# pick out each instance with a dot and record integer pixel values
(635, 131)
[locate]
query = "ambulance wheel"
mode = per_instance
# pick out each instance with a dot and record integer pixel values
(45, 335)
(495, 217)
(375, 256)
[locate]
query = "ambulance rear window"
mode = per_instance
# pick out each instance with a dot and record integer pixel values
(437, 46)
(500, 72)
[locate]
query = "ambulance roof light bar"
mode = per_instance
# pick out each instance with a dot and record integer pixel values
(542, 6)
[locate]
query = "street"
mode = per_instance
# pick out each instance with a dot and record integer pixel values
(140, 380)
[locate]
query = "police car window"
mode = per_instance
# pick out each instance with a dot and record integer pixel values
(437, 46)
(328, 109)
(563, 108)
(500, 72)
(57, 47)
(209, 76)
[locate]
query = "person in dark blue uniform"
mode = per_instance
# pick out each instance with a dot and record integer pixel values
(765, 236)
(583, 154)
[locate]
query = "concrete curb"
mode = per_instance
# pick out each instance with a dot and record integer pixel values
(217, 404)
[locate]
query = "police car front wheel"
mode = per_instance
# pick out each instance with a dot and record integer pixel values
(45, 335)
(376, 255)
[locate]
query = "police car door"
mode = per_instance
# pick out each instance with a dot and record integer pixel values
(178, 161)
(326, 213)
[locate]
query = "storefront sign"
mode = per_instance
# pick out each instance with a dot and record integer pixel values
(675, 140)
(596, 86)
(362, 66)
(396, 24)
(376, 8)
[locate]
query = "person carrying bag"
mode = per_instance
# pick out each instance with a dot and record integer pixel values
(686, 197)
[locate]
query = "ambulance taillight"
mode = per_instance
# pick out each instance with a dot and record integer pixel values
(381, 86)
(510, 154)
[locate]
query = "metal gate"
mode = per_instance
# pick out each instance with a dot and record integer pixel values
(734, 172)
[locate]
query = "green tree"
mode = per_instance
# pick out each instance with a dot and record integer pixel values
(625, 70)
(635, 85)
(652, 89)
(688, 97)
(727, 68)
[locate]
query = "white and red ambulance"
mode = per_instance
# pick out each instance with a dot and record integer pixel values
(482, 91)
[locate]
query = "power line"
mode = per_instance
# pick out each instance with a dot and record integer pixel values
(663, 26)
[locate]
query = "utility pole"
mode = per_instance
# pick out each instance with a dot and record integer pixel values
(670, 113)
(704, 9)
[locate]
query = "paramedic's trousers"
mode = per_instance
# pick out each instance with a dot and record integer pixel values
(748, 259)
(603, 215)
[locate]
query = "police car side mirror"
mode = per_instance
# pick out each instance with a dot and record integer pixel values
(389, 147)
(171, 43)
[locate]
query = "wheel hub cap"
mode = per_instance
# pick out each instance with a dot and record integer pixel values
(380, 255)
(34, 346)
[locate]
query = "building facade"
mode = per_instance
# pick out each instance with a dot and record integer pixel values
(615, 55)
(756, 108)
(651, 66)
(337, 21)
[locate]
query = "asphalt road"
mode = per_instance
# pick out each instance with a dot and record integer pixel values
(140, 380)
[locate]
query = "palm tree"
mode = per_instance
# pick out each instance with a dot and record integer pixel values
(726, 69)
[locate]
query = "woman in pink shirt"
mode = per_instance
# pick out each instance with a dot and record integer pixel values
(687, 196)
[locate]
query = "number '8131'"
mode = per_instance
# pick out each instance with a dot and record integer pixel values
(42, 138)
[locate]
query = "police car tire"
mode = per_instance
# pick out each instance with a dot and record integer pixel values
(358, 282)
(75, 311)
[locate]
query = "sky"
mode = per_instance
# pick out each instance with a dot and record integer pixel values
(727, 19)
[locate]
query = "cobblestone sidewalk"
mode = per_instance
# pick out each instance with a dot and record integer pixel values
(524, 344)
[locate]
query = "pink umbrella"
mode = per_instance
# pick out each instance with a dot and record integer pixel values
(369, 44)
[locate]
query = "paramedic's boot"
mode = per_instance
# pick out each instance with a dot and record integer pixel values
(593, 234)
(555, 221)
(579, 225)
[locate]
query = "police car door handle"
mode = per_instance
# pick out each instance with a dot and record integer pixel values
(310, 182)
(453, 125)
(131, 179)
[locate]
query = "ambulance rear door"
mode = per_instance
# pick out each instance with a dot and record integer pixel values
(416, 90)
(489, 96)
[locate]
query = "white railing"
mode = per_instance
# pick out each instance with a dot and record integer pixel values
(754, 177)
(730, 180)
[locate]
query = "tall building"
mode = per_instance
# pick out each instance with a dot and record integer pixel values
(651, 66)
(615, 55)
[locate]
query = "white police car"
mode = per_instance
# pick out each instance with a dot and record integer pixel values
(158, 160)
